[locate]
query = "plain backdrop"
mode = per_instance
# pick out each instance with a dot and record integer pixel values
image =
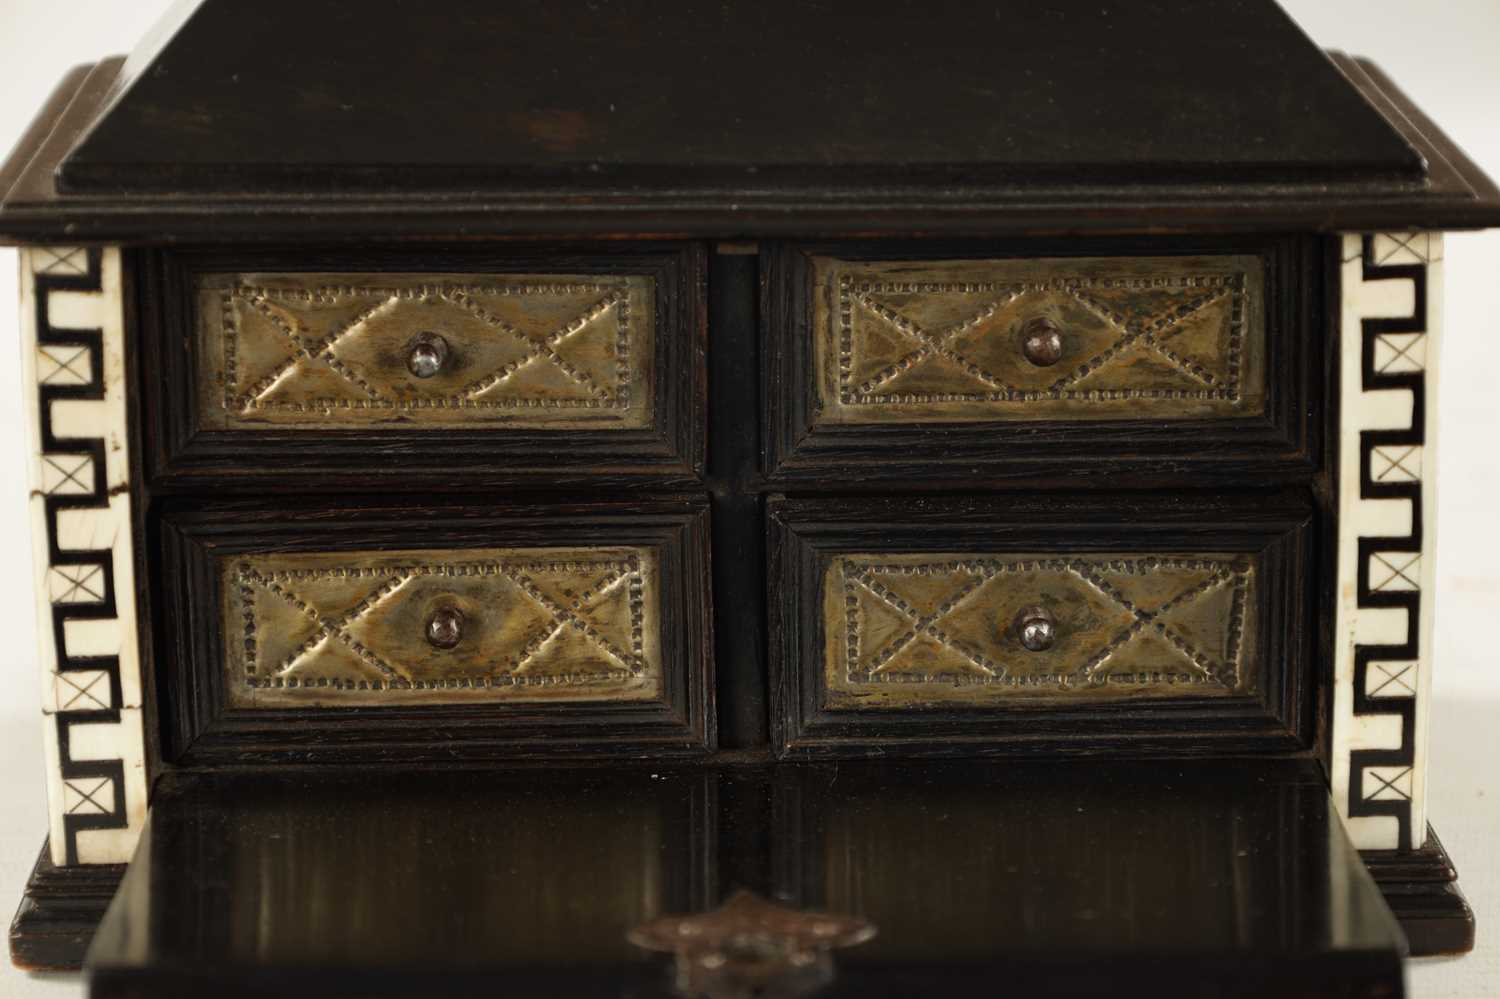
(1444, 53)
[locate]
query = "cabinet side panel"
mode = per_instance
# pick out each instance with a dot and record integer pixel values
(73, 352)
(1391, 320)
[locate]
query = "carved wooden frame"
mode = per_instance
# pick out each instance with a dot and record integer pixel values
(1282, 445)
(804, 534)
(181, 453)
(201, 728)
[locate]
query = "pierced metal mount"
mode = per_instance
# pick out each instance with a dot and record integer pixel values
(752, 947)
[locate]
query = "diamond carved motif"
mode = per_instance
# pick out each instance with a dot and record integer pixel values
(908, 625)
(943, 340)
(323, 350)
(354, 628)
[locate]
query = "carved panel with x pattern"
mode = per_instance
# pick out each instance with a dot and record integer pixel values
(933, 341)
(331, 351)
(352, 628)
(1125, 625)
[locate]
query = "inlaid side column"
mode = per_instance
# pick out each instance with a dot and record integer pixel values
(73, 350)
(1391, 319)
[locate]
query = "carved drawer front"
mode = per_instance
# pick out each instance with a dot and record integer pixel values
(501, 363)
(987, 621)
(981, 627)
(442, 627)
(440, 631)
(330, 351)
(939, 341)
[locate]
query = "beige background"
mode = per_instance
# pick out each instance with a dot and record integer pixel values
(1441, 51)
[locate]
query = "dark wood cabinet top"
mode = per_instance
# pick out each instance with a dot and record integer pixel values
(293, 95)
(316, 119)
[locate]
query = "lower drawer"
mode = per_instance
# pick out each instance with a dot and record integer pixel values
(1160, 623)
(440, 626)
(980, 628)
(452, 632)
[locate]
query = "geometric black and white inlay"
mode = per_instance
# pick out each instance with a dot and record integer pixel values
(73, 353)
(1391, 290)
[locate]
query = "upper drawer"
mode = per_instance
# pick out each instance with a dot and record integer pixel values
(1093, 338)
(551, 364)
(343, 351)
(1029, 361)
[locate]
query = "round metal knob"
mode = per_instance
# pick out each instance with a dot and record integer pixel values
(445, 629)
(1041, 342)
(1036, 629)
(428, 354)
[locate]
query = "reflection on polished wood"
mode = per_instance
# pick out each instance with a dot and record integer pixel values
(972, 865)
(905, 630)
(1083, 339)
(369, 873)
(441, 627)
(1215, 878)
(331, 351)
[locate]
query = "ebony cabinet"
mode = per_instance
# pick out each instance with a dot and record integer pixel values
(554, 484)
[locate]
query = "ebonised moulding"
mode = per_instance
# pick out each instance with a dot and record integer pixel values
(613, 498)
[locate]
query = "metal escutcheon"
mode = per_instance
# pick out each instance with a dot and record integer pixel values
(751, 947)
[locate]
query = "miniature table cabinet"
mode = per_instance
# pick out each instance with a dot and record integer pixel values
(574, 498)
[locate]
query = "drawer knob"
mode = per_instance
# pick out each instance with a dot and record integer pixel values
(445, 629)
(1042, 342)
(429, 352)
(1036, 629)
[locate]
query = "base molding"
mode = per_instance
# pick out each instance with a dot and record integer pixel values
(1421, 887)
(59, 912)
(62, 906)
